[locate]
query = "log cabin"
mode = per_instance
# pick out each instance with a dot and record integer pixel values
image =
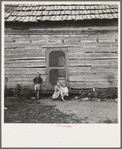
(73, 43)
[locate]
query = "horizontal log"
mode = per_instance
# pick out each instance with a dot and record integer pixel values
(89, 40)
(24, 51)
(92, 73)
(92, 78)
(29, 84)
(24, 61)
(92, 44)
(56, 40)
(106, 66)
(60, 47)
(92, 62)
(55, 46)
(70, 50)
(61, 31)
(24, 70)
(93, 50)
(28, 37)
(91, 84)
(74, 49)
(24, 65)
(82, 56)
(107, 36)
(36, 38)
(94, 58)
(24, 55)
(17, 36)
(93, 55)
(89, 69)
(25, 45)
(25, 48)
(25, 58)
(57, 27)
(66, 27)
(70, 42)
(95, 66)
(71, 55)
(24, 78)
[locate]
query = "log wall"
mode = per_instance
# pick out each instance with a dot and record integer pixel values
(93, 54)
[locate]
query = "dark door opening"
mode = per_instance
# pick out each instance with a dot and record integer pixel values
(57, 59)
(56, 67)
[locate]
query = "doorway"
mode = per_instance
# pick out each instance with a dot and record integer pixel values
(57, 63)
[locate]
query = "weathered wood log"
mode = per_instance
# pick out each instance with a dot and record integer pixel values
(96, 55)
(101, 78)
(93, 50)
(75, 63)
(89, 69)
(95, 66)
(23, 77)
(81, 55)
(24, 61)
(59, 39)
(62, 31)
(24, 55)
(66, 27)
(70, 42)
(91, 84)
(93, 73)
(26, 65)
(24, 70)
(24, 50)
(94, 58)
(25, 58)
(81, 38)
(105, 66)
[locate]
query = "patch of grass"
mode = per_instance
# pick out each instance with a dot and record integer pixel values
(32, 111)
(108, 93)
(23, 92)
(108, 121)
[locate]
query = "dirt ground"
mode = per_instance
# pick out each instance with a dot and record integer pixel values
(47, 110)
(87, 111)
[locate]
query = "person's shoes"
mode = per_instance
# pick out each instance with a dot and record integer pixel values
(64, 100)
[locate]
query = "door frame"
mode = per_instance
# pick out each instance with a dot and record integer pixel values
(65, 50)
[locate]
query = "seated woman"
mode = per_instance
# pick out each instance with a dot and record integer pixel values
(58, 91)
(64, 91)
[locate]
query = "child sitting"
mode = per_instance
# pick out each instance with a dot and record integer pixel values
(58, 91)
(64, 90)
(37, 80)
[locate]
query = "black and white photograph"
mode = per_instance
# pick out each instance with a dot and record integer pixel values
(61, 63)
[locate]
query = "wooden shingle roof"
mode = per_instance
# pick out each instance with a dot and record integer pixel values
(59, 12)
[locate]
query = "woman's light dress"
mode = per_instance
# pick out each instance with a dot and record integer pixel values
(65, 91)
(56, 93)
(60, 90)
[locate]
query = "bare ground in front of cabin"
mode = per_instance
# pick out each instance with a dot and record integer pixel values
(87, 111)
(46, 110)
